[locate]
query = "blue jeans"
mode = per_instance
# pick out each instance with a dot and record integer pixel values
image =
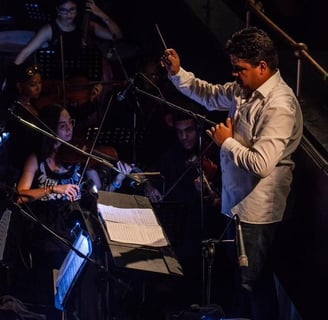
(254, 292)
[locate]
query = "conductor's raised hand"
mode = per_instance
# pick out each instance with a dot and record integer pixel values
(171, 61)
(220, 132)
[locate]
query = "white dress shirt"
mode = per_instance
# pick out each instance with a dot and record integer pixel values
(256, 163)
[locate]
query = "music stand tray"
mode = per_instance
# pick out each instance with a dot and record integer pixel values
(160, 260)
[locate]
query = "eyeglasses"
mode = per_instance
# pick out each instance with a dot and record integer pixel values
(63, 125)
(64, 11)
(32, 70)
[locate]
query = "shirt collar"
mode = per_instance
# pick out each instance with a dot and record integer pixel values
(267, 86)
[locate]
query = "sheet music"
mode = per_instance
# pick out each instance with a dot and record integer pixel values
(141, 216)
(4, 226)
(136, 225)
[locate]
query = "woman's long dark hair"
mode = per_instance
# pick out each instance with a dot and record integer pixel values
(49, 115)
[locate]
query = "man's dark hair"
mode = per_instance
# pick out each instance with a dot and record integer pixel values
(253, 45)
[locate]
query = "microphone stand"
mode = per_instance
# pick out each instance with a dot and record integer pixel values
(130, 84)
(52, 233)
(94, 229)
(201, 173)
(137, 179)
(201, 120)
(208, 248)
(96, 139)
(174, 106)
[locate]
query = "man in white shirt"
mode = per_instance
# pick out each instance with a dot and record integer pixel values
(263, 129)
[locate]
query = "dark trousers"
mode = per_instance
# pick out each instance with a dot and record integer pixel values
(254, 293)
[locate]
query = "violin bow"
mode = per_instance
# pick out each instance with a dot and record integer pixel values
(96, 139)
(137, 179)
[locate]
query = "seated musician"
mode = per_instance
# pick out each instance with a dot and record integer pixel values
(48, 187)
(24, 94)
(184, 154)
(48, 184)
(180, 186)
(73, 55)
(72, 30)
(21, 90)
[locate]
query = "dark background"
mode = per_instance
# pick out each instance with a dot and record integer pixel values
(301, 253)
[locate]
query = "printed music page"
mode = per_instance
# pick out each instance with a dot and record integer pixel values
(136, 225)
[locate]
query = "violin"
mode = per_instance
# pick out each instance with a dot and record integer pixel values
(69, 155)
(75, 92)
(208, 166)
(100, 155)
(209, 174)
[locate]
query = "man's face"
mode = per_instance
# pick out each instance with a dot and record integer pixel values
(246, 75)
(187, 133)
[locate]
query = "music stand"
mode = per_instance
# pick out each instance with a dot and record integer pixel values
(88, 247)
(55, 66)
(8, 240)
(87, 63)
(115, 136)
(37, 13)
(158, 260)
(66, 278)
(123, 139)
(143, 264)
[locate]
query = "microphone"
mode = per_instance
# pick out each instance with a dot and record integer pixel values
(111, 51)
(12, 109)
(242, 258)
(122, 94)
(7, 192)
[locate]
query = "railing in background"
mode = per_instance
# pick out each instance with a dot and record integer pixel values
(300, 49)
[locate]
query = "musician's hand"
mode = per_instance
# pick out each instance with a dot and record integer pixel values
(198, 183)
(171, 61)
(70, 190)
(92, 7)
(216, 203)
(153, 194)
(125, 169)
(97, 90)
